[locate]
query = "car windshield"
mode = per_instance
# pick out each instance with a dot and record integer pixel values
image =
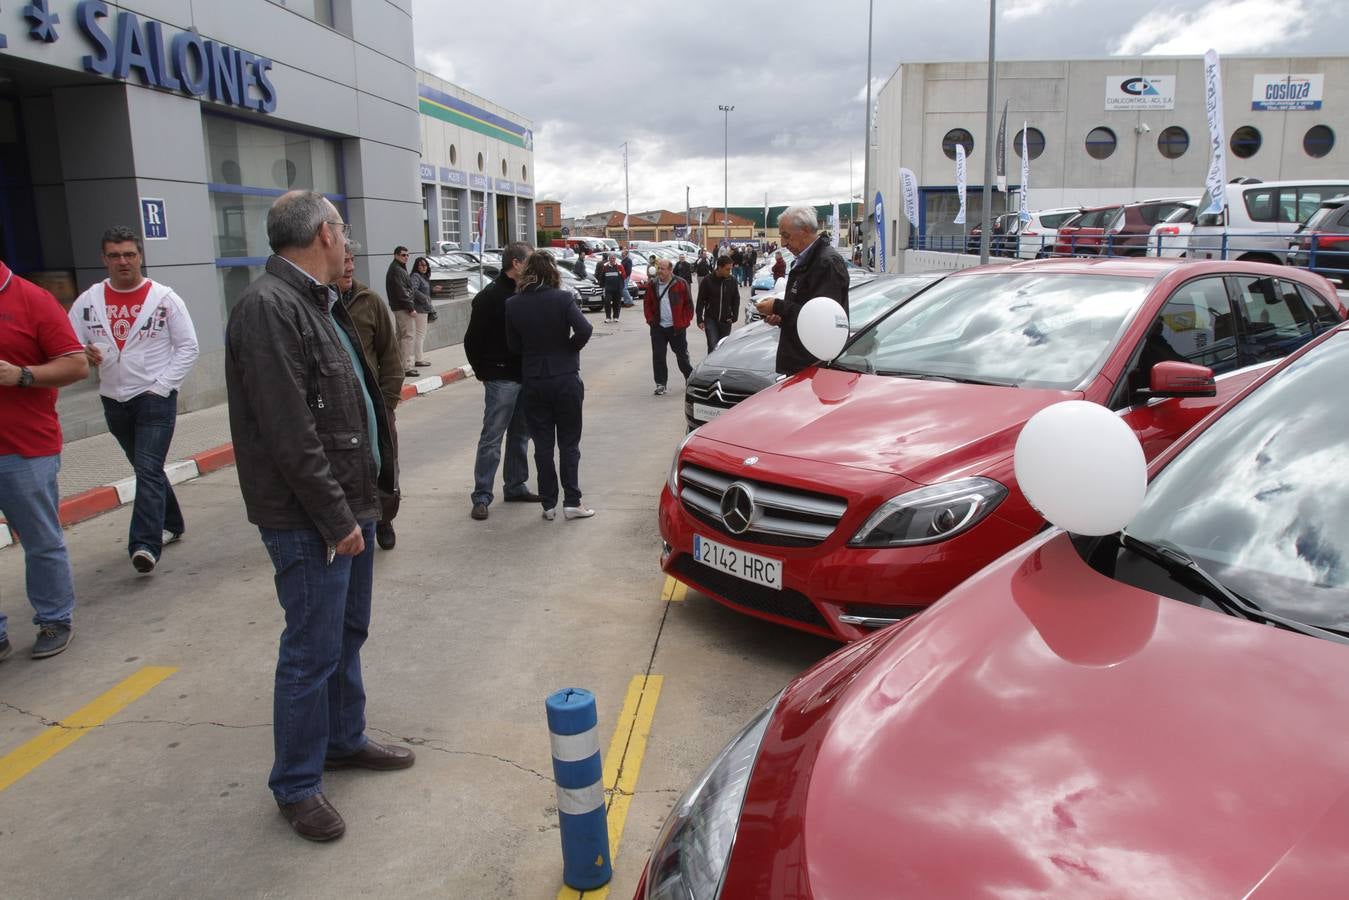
(1031, 329)
(871, 299)
(1260, 499)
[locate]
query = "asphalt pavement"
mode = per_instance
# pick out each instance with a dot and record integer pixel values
(135, 764)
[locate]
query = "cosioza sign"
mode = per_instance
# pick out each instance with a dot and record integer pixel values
(1287, 92)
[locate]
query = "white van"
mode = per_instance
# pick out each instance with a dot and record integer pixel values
(1260, 219)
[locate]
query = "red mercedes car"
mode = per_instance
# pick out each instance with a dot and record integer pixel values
(857, 493)
(1151, 713)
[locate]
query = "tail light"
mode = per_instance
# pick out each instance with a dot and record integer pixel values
(1030, 234)
(1168, 229)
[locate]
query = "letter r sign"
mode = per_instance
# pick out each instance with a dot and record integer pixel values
(153, 222)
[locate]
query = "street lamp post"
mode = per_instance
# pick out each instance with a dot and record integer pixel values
(987, 232)
(726, 170)
(866, 144)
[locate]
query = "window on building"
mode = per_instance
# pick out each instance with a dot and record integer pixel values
(522, 217)
(320, 11)
(1035, 142)
(475, 209)
(454, 156)
(449, 216)
(1173, 142)
(1245, 142)
(956, 136)
(524, 174)
(248, 167)
(480, 162)
(1101, 143)
(504, 170)
(1318, 141)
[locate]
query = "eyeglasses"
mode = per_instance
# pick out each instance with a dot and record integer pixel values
(126, 254)
(342, 228)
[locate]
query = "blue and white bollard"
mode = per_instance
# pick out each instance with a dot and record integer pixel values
(574, 728)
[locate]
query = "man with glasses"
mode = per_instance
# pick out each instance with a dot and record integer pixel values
(313, 449)
(139, 334)
(398, 285)
(817, 271)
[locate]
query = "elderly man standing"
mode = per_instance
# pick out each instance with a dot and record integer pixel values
(669, 312)
(312, 446)
(379, 347)
(817, 271)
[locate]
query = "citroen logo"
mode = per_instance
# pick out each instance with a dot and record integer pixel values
(737, 508)
(716, 390)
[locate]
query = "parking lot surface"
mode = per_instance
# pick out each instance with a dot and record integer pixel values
(135, 764)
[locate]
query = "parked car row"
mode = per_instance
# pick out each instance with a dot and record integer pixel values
(1075, 703)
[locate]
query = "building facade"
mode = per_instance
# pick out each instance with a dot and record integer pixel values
(186, 120)
(547, 215)
(473, 152)
(1100, 131)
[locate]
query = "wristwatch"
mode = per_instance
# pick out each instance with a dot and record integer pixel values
(25, 377)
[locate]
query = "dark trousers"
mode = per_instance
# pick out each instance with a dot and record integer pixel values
(715, 331)
(676, 339)
(553, 412)
(318, 707)
(389, 501)
(143, 426)
(612, 304)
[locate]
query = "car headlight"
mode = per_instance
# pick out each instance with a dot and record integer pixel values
(690, 856)
(673, 478)
(930, 514)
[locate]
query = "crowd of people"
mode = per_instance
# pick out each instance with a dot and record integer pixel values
(314, 369)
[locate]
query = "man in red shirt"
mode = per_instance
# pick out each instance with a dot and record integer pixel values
(38, 354)
(669, 312)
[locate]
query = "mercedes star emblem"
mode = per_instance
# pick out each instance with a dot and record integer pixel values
(737, 508)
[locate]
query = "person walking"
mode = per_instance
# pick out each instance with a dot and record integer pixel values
(420, 278)
(718, 303)
(669, 312)
(610, 276)
(817, 271)
(379, 349)
(738, 262)
(498, 367)
(684, 269)
(311, 444)
(703, 267)
(140, 335)
(398, 287)
(546, 328)
(751, 259)
(579, 267)
(626, 262)
(39, 353)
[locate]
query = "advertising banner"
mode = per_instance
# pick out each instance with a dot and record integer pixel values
(908, 183)
(880, 231)
(1023, 211)
(960, 182)
(1140, 92)
(1276, 92)
(1215, 184)
(836, 234)
(1002, 149)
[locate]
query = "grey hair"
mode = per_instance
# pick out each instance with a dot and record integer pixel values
(800, 218)
(353, 247)
(295, 219)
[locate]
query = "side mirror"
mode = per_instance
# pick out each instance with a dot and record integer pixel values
(1181, 379)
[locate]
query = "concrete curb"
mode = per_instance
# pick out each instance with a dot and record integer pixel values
(96, 501)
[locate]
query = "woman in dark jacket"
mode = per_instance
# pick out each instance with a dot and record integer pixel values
(421, 307)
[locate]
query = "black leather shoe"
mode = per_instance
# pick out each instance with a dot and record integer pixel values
(523, 498)
(376, 756)
(384, 535)
(479, 511)
(313, 818)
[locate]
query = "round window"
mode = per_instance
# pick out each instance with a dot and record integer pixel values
(1100, 143)
(524, 173)
(1173, 142)
(480, 162)
(454, 156)
(1035, 142)
(1245, 142)
(1318, 141)
(504, 170)
(957, 136)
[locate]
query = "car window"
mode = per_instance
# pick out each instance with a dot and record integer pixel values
(1274, 317)
(1182, 214)
(1323, 313)
(1194, 326)
(1159, 212)
(1261, 204)
(1054, 220)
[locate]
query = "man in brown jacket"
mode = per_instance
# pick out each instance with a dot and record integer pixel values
(379, 347)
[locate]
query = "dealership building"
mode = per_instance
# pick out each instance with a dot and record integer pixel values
(1100, 131)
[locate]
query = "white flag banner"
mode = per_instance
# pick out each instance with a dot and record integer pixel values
(908, 183)
(765, 216)
(1023, 212)
(834, 224)
(1215, 193)
(960, 182)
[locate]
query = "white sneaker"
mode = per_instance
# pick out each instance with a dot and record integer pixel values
(577, 512)
(550, 514)
(170, 537)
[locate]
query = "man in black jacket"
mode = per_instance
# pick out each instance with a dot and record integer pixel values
(398, 285)
(497, 366)
(311, 444)
(817, 271)
(718, 303)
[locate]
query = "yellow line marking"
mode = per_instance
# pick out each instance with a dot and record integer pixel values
(674, 591)
(28, 756)
(622, 765)
(680, 592)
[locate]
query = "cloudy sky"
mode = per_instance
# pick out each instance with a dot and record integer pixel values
(592, 76)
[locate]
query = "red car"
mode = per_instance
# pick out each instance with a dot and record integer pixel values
(1087, 717)
(1115, 230)
(858, 493)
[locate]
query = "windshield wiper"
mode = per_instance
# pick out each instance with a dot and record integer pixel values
(1178, 562)
(932, 376)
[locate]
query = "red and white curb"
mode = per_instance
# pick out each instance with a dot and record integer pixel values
(99, 500)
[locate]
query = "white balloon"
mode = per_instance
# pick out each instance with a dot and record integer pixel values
(780, 286)
(822, 326)
(1081, 467)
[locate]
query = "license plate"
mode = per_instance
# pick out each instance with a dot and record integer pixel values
(734, 561)
(704, 413)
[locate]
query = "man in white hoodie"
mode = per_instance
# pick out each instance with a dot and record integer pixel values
(139, 334)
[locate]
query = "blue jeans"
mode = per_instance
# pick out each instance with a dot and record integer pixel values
(318, 708)
(553, 409)
(502, 414)
(143, 426)
(30, 501)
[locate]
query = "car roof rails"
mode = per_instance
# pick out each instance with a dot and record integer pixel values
(1240, 179)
